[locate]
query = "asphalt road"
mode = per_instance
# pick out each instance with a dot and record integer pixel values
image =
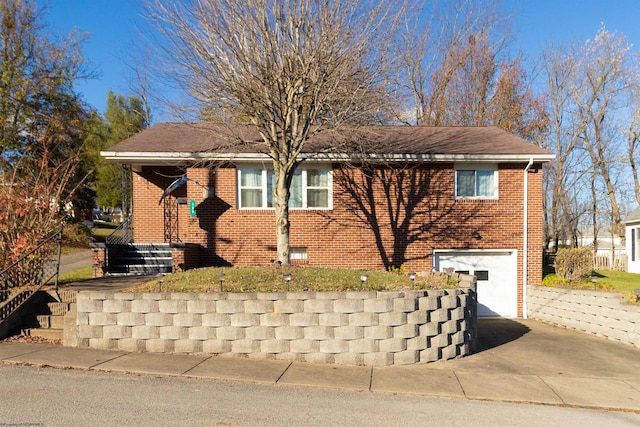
(33, 396)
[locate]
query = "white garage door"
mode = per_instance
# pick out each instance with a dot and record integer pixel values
(496, 272)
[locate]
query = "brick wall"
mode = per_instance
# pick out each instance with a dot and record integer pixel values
(354, 328)
(600, 313)
(366, 228)
(185, 256)
(98, 259)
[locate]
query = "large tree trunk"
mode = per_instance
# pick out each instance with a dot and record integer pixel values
(281, 204)
(632, 142)
(594, 213)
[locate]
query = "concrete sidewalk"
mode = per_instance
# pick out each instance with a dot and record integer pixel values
(519, 361)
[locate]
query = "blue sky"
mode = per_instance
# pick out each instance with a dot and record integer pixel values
(113, 25)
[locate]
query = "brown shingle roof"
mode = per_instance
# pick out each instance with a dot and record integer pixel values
(382, 140)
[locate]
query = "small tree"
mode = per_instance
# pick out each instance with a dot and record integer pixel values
(293, 68)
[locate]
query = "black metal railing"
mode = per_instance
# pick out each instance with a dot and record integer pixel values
(23, 278)
(123, 235)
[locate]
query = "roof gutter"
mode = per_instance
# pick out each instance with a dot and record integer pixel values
(164, 157)
(525, 239)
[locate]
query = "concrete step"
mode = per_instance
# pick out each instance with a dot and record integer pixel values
(53, 308)
(50, 334)
(142, 258)
(44, 315)
(45, 321)
(141, 269)
(63, 296)
(146, 260)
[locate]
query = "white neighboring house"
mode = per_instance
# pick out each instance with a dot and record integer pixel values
(604, 244)
(632, 232)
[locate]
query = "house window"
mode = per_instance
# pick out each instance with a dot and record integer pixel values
(310, 188)
(253, 188)
(298, 254)
(482, 275)
(479, 182)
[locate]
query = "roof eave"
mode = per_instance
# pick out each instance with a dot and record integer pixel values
(164, 157)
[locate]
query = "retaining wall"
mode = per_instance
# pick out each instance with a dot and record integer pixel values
(354, 328)
(604, 314)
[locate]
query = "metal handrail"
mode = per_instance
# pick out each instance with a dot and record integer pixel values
(122, 235)
(23, 278)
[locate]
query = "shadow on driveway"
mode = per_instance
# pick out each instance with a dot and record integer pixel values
(494, 332)
(108, 283)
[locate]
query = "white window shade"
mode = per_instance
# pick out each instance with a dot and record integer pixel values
(476, 181)
(310, 188)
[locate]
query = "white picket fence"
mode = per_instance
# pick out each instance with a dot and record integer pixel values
(603, 262)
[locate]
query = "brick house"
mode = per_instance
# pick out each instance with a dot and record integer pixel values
(467, 198)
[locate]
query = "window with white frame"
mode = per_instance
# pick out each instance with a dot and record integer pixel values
(297, 253)
(476, 181)
(310, 188)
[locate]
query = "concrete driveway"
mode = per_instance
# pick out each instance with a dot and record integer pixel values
(529, 347)
(529, 361)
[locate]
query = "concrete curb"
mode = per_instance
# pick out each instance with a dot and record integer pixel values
(520, 361)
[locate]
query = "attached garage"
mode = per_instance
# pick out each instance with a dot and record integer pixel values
(497, 275)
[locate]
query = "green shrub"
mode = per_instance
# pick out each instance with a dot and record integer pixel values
(397, 270)
(76, 234)
(575, 264)
(553, 280)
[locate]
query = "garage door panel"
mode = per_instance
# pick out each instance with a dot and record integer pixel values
(497, 278)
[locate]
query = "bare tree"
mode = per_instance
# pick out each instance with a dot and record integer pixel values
(293, 68)
(434, 48)
(633, 138)
(562, 211)
(458, 72)
(140, 82)
(592, 92)
(599, 93)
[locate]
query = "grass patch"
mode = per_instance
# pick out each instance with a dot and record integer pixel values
(66, 249)
(81, 274)
(101, 230)
(619, 280)
(611, 281)
(271, 279)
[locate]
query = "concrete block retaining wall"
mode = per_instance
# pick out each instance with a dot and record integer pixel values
(601, 313)
(353, 328)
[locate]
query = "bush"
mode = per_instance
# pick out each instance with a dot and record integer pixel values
(76, 234)
(574, 264)
(553, 280)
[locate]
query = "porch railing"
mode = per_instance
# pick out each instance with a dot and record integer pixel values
(123, 235)
(26, 276)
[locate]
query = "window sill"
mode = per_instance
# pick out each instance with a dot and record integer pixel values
(290, 209)
(476, 200)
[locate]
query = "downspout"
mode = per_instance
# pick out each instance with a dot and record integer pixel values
(525, 239)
